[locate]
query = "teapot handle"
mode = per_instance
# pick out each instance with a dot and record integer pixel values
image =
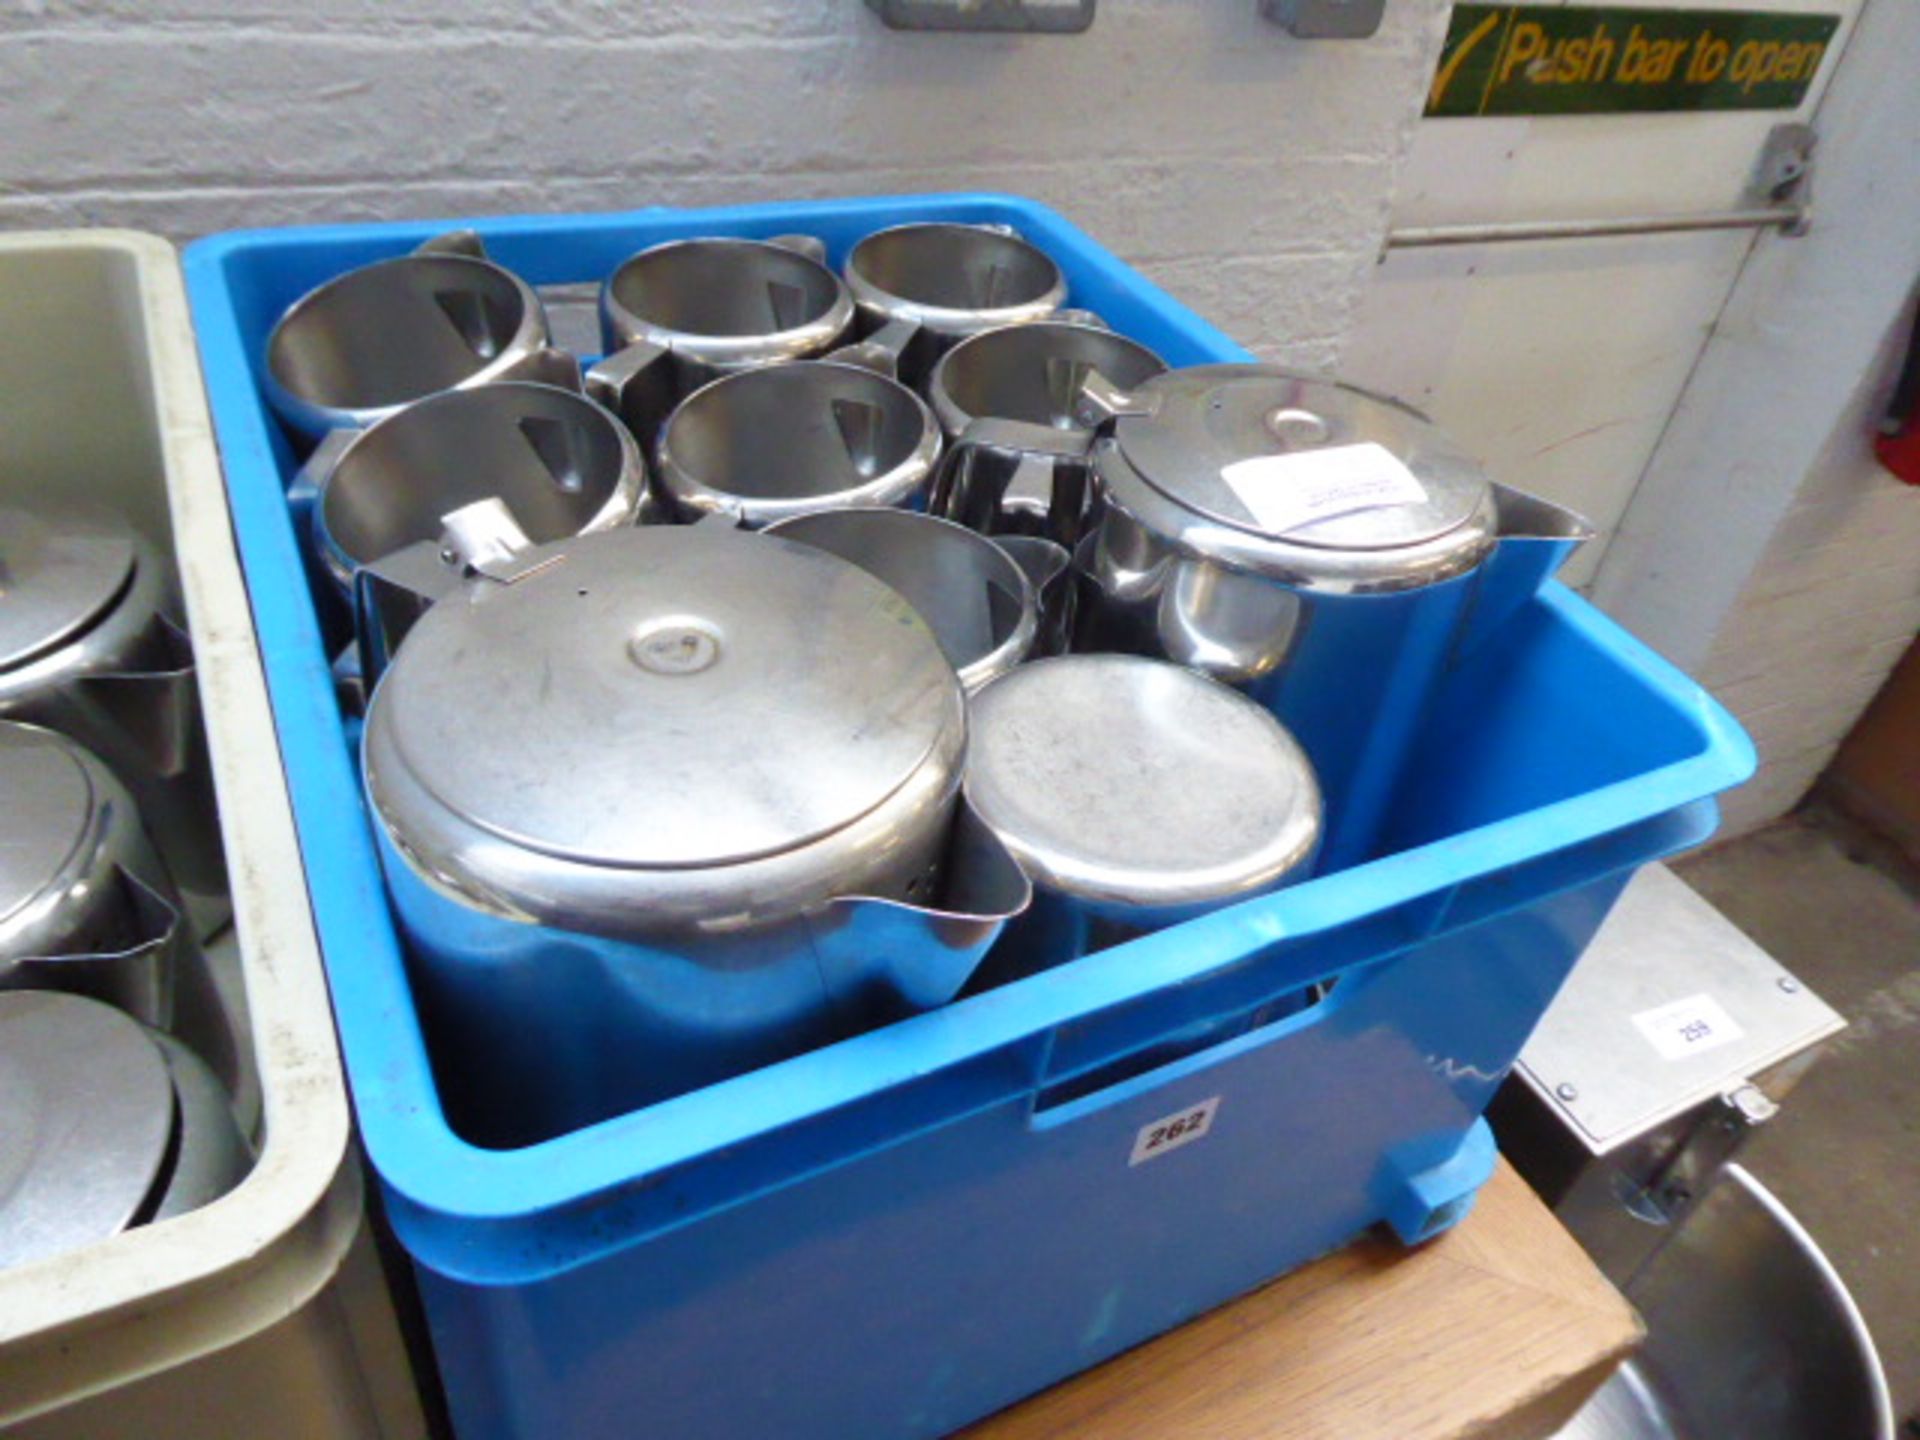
(1012, 478)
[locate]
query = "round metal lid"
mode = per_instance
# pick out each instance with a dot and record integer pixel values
(1287, 456)
(46, 815)
(59, 569)
(83, 1133)
(669, 697)
(1135, 781)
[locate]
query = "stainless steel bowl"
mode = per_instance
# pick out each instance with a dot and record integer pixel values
(1750, 1334)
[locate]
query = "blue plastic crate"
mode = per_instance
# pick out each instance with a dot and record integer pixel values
(902, 1232)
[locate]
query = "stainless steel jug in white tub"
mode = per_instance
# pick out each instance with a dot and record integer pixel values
(107, 1125)
(661, 805)
(89, 646)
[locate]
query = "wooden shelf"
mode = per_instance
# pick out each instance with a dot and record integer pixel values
(1498, 1330)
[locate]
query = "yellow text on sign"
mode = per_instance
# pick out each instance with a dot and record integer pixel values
(1636, 58)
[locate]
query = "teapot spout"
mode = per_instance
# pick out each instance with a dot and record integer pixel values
(1534, 539)
(882, 959)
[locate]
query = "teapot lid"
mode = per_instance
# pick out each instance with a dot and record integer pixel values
(60, 567)
(1139, 782)
(49, 810)
(665, 697)
(84, 1132)
(1288, 457)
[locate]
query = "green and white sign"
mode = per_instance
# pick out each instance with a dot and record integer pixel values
(1604, 59)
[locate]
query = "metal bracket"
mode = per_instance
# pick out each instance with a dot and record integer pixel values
(1784, 175)
(1689, 1171)
(1045, 17)
(1326, 19)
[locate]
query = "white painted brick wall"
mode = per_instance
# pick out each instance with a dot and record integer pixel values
(1248, 171)
(1833, 604)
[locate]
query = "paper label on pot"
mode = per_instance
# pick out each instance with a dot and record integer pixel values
(1284, 492)
(1170, 1132)
(1685, 1028)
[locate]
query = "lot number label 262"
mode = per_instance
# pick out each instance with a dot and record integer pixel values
(1170, 1132)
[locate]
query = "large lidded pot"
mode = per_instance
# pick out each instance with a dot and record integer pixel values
(89, 646)
(659, 806)
(1326, 549)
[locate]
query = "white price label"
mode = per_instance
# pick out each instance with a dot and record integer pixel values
(1170, 1132)
(1688, 1027)
(1284, 492)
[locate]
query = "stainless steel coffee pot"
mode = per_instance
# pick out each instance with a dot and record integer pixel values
(85, 905)
(661, 805)
(1328, 550)
(89, 646)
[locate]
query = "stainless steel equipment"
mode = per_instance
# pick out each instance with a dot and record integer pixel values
(367, 342)
(681, 314)
(780, 441)
(1750, 1334)
(1134, 794)
(1674, 1037)
(982, 606)
(89, 647)
(558, 462)
(105, 1126)
(661, 805)
(1326, 549)
(921, 288)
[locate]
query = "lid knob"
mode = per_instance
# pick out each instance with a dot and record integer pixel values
(680, 645)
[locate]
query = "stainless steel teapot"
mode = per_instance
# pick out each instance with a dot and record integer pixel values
(660, 805)
(1326, 549)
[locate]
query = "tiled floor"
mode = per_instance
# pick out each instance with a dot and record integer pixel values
(1843, 913)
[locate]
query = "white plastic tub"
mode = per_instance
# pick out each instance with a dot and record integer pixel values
(266, 1313)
